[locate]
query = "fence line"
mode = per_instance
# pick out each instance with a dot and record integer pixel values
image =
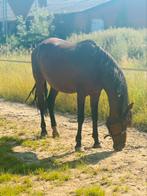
(28, 62)
(133, 69)
(14, 61)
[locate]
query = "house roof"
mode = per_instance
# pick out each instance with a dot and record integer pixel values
(10, 13)
(21, 7)
(15, 8)
(64, 6)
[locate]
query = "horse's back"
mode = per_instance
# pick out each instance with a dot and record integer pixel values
(67, 66)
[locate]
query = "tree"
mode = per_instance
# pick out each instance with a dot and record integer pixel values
(39, 27)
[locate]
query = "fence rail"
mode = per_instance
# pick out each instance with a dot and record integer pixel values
(14, 61)
(28, 62)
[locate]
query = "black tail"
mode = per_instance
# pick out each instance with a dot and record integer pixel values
(35, 100)
(31, 92)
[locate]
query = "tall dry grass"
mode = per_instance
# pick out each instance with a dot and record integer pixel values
(16, 79)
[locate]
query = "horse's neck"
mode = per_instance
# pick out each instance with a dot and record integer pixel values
(113, 103)
(115, 96)
(114, 84)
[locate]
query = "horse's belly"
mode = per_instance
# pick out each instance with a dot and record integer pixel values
(68, 80)
(64, 81)
(63, 85)
(64, 88)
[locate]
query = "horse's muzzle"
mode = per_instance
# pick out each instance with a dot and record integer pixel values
(118, 147)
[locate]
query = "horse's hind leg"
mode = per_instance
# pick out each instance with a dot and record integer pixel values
(51, 102)
(80, 104)
(94, 98)
(40, 92)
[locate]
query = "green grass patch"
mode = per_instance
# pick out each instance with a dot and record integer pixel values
(7, 177)
(17, 163)
(119, 188)
(10, 162)
(57, 175)
(23, 185)
(105, 181)
(93, 190)
(35, 144)
(13, 190)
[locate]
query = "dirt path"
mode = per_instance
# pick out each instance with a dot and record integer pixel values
(121, 173)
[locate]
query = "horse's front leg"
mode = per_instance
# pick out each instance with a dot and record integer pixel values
(94, 110)
(80, 106)
(51, 103)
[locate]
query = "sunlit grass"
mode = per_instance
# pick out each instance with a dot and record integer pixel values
(120, 188)
(17, 82)
(137, 86)
(128, 48)
(12, 190)
(121, 43)
(93, 190)
(6, 177)
(35, 144)
(57, 175)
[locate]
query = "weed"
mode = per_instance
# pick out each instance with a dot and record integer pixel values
(93, 190)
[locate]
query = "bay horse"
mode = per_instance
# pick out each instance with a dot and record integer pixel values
(84, 68)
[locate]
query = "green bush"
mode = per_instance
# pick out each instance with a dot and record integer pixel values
(40, 28)
(30, 32)
(121, 43)
(93, 190)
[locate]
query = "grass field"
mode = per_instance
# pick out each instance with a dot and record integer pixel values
(126, 45)
(39, 167)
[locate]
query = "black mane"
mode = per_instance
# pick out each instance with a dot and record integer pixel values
(115, 76)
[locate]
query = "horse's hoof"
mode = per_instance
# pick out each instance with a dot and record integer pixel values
(56, 135)
(97, 145)
(55, 132)
(43, 134)
(78, 148)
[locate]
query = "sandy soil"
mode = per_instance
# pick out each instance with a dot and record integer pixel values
(124, 169)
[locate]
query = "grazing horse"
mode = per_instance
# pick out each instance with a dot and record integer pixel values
(86, 69)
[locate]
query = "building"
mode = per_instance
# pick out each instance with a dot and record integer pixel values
(10, 9)
(77, 15)
(102, 15)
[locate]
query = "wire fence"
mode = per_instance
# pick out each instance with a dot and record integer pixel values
(28, 62)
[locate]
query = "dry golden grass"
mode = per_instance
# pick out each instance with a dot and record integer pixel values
(126, 45)
(16, 81)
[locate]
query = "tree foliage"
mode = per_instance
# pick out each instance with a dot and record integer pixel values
(31, 31)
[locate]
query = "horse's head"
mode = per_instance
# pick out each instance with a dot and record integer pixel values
(117, 128)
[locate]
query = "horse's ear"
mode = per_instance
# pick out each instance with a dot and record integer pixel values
(130, 106)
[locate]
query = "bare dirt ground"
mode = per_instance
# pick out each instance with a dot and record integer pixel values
(121, 173)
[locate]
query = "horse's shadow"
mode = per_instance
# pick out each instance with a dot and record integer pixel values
(27, 162)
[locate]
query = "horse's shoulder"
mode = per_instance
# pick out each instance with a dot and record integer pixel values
(87, 42)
